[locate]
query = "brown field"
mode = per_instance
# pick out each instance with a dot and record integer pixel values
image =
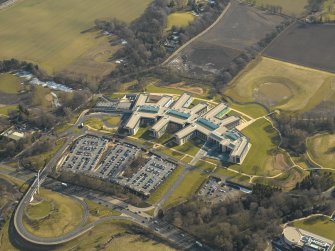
(316, 51)
(241, 27)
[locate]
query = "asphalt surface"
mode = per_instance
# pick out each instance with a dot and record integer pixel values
(161, 228)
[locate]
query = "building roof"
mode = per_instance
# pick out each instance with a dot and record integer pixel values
(180, 103)
(198, 108)
(213, 112)
(230, 120)
(160, 124)
(148, 108)
(141, 100)
(164, 101)
(240, 147)
(178, 114)
(186, 131)
(208, 124)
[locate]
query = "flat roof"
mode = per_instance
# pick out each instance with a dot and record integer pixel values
(230, 120)
(149, 108)
(186, 131)
(180, 103)
(178, 114)
(198, 108)
(141, 100)
(160, 124)
(208, 124)
(213, 112)
(238, 150)
(164, 100)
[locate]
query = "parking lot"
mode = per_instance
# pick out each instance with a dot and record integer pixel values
(116, 160)
(150, 176)
(85, 153)
(215, 191)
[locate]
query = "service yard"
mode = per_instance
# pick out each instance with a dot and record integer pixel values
(241, 27)
(310, 45)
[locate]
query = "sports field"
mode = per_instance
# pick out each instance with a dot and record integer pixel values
(321, 148)
(179, 19)
(282, 85)
(49, 32)
(293, 8)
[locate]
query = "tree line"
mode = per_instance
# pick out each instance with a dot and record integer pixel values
(145, 36)
(251, 222)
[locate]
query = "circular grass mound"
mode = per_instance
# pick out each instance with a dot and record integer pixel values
(54, 216)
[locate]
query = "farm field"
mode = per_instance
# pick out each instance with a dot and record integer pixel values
(241, 27)
(179, 19)
(318, 42)
(261, 159)
(60, 46)
(319, 225)
(297, 88)
(322, 149)
(293, 8)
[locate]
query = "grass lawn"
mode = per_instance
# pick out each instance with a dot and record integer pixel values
(205, 165)
(4, 110)
(186, 188)
(322, 149)
(26, 34)
(293, 8)
(67, 214)
(113, 120)
(39, 210)
(319, 225)
(9, 84)
(98, 211)
(307, 87)
(38, 161)
(179, 19)
(171, 153)
(187, 159)
(287, 181)
(163, 188)
(95, 123)
(163, 89)
(122, 239)
(259, 159)
(252, 110)
(191, 147)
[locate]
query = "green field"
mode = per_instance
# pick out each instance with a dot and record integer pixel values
(100, 238)
(9, 84)
(328, 10)
(4, 110)
(113, 120)
(186, 188)
(319, 225)
(321, 148)
(49, 32)
(260, 159)
(179, 20)
(39, 210)
(290, 7)
(65, 216)
(297, 88)
(191, 147)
